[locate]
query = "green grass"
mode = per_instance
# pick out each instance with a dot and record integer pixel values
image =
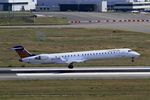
(75, 90)
(66, 40)
(27, 18)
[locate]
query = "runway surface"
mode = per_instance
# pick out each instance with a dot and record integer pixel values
(76, 73)
(84, 16)
(135, 27)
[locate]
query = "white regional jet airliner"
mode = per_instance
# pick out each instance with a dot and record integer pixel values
(73, 57)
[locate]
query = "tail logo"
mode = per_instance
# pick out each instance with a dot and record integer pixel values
(22, 52)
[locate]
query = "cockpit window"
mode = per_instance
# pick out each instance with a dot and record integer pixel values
(129, 50)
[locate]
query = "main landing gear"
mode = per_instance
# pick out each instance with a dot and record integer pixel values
(70, 66)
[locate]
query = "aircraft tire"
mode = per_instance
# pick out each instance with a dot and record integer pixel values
(70, 66)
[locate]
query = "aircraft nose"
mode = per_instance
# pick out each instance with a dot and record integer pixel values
(136, 54)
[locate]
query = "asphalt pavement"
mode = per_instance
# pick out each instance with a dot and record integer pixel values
(135, 27)
(131, 72)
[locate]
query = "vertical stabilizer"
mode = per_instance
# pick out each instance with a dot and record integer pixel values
(22, 52)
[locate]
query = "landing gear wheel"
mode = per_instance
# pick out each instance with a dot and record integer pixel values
(70, 66)
(132, 59)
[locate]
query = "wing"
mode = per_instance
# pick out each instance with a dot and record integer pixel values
(59, 60)
(76, 61)
(62, 60)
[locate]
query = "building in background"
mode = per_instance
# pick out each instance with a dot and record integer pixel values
(72, 5)
(103, 6)
(132, 6)
(17, 5)
(81, 5)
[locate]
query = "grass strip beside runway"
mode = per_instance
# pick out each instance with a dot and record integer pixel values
(45, 40)
(75, 90)
(28, 18)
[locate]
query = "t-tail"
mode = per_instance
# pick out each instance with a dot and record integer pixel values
(22, 52)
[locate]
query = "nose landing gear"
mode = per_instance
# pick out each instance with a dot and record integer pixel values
(132, 59)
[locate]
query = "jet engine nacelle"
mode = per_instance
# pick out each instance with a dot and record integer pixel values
(40, 57)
